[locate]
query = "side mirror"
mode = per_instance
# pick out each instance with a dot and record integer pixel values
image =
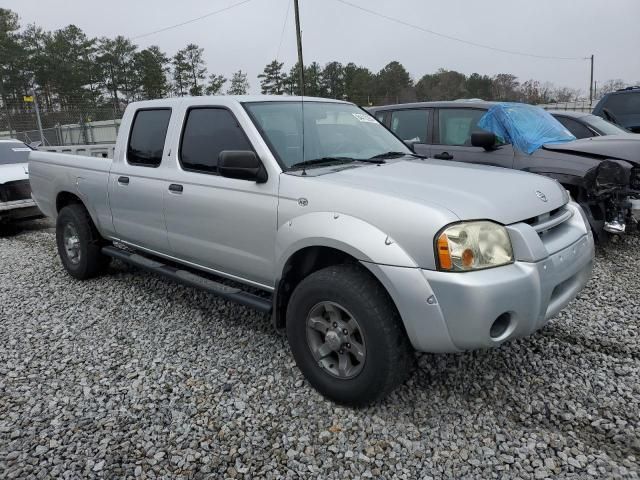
(486, 140)
(241, 164)
(410, 144)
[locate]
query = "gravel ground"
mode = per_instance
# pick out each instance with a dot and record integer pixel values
(131, 376)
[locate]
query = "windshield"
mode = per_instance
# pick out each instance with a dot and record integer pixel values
(526, 127)
(603, 126)
(338, 131)
(13, 152)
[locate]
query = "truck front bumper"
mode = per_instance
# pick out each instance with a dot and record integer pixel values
(450, 312)
(19, 210)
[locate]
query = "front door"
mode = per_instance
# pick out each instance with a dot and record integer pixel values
(136, 183)
(452, 139)
(225, 224)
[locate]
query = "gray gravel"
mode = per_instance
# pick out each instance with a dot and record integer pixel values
(131, 376)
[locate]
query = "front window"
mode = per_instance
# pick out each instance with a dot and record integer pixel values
(207, 132)
(338, 131)
(13, 152)
(576, 128)
(455, 125)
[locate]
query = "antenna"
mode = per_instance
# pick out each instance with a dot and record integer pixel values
(300, 73)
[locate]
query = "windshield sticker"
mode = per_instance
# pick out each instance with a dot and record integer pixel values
(364, 118)
(21, 149)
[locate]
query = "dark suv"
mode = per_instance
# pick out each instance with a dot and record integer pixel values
(601, 173)
(621, 107)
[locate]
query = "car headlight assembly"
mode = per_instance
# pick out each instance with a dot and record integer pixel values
(467, 246)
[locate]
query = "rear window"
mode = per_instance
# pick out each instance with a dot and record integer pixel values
(146, 141)
(410, 125)
(13, 152)
(623, 103)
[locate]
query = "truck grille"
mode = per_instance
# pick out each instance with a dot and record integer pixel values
(17, 190)
(549, 221)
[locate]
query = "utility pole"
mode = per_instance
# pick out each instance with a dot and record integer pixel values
(591, 84)
(299, 40)
(35, 104)
(6, 107)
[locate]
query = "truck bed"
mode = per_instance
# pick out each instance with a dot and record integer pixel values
(84, 176)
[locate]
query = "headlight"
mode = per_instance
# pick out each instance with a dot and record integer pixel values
(473, 246)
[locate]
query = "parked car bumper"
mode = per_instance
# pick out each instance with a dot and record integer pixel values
(450, 312)
(19, 210)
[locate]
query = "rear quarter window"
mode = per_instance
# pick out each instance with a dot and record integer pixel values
(147, 137)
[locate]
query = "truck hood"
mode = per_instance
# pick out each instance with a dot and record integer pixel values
(621, 147)
(469, 191)
(13, 172)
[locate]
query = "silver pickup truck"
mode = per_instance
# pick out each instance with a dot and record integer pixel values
(361, 251)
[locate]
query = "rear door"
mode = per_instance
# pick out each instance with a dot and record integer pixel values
(136, 182)
(452, 138)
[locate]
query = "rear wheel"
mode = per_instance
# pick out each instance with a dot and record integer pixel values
(346, 335)
(79, 243)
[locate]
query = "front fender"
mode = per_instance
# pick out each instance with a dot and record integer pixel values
(351, 235)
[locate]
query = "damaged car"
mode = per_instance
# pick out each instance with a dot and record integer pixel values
(15, 191)
(601, 173)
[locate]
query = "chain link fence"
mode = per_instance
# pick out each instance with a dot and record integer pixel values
(577, 106)
(72, 125)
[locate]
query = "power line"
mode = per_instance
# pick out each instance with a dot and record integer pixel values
(456, 39)
(286, 17)
(192, 20)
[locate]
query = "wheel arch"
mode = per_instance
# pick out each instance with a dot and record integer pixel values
(65, 198)
(317, 240)
(306, 261)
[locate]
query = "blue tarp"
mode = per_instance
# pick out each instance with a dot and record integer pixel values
(526, 127)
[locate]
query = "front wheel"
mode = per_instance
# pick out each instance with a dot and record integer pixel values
(346, 335)
(79, 243)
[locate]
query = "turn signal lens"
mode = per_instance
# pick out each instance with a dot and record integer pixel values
(473, 246)
(443, 252)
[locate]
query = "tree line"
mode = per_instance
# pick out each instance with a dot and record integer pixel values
(70, 70)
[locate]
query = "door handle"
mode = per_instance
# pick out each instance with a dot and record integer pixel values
(176, 188)
(123, 180)
(443, 156)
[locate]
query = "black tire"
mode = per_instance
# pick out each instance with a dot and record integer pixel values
(389, 356)
(90, 262)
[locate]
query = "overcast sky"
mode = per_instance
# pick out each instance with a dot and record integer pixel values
(247, 36)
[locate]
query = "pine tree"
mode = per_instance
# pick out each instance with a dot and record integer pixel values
(216, 82)
(239, 84)
(151, 67)
(180, 74)
(272, 79)
(195, 68)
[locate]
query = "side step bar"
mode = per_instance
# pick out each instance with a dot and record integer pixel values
(190, 279)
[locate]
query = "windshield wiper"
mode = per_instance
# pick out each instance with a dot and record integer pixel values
(395, 154)
(321, 161)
